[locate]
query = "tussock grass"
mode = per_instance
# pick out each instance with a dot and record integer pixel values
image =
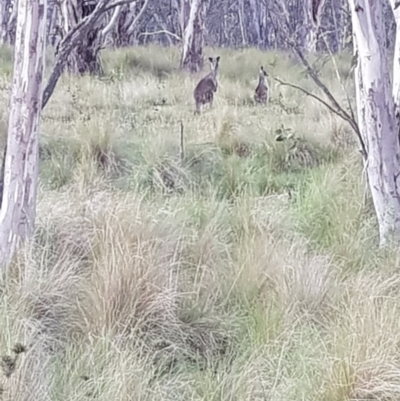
(244, 269)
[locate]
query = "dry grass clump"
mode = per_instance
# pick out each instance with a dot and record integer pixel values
(229, 142)
(170, 176)
(134, 283)
(364, 363)
(275, 267)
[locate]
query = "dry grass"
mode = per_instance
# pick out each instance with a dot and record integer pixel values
(246, 271)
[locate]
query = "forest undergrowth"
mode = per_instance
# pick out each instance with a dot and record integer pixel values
(244, 269)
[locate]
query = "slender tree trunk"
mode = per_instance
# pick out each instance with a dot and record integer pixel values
(310, 26)
(336, 42)
(192, 49)
(8, 16)
(18, 209)
(124, 22)
(4, 15)
(255, 18)
(376, 115)
(183, 16)
(53, 24)
(241, 15)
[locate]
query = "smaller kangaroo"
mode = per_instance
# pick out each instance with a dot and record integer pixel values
(261, 93)
(204, 91)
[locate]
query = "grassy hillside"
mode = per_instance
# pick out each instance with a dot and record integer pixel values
(246, 271)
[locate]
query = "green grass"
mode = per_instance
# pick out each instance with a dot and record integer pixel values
(248, 270)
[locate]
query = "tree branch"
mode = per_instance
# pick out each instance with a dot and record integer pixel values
(113, 19)
(141, 12)
(164, 31)
(339, 78)
(335, 104)
(70, 41)
(117, 3)
(308, 93)
(338, 111)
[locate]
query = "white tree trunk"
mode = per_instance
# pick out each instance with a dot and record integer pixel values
(184, 16)
(241, 15)
(192, 45)
(376, 115)
(18, 209)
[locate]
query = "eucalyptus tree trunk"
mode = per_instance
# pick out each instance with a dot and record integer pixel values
(127, 20)
(255, 21)
(376, 115)
(242, 15)
(18, 208)
(83, 58)
(183, 16)
(4, 17)
(8, 17)
(54, 24)
(310, 26)
(193, 40)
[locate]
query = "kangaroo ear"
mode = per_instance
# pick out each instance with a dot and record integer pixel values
(262, 68)
(217, 58)
(210, 59)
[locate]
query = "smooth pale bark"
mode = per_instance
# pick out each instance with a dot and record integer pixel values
(18, 209)
(376, 117)
(192, 46)
(184, 16)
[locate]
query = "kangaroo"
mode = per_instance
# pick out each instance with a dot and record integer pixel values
(204, 91)
(261, 93)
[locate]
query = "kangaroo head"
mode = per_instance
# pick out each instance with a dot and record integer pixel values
(263, 73)
(214, 63)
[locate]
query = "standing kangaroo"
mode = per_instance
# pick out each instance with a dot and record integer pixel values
(204, 91)
(261, 93)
